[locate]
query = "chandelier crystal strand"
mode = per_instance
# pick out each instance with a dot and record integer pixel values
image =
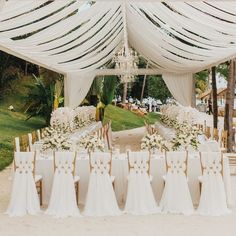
(126, 59)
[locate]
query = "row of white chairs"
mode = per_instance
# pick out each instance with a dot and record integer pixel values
(101, 200)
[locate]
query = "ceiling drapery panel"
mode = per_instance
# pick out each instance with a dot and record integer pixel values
(72, 36)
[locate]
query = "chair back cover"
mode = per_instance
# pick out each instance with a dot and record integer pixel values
(176, 185)
(24, 197)
(100, 199)
(64, 163)
(140, 199)
(176, 162)
(139, 162)
(213, 197)
(100, 163)
(63, 196)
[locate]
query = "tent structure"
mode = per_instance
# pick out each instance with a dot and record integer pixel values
(178, 38)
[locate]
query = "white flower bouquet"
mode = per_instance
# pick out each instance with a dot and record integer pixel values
(56, 142)
(91, 143)
(153, 142)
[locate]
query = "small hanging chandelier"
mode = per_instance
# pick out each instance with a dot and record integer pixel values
(126, 59)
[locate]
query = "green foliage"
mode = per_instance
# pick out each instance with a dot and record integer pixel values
(39, 101)
(13, 124)
(108, 89)
(223, 70)
(124, 119)
(157, 88)
(9, 70)
(201, 81)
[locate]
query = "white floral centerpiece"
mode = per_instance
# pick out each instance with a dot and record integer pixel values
(186, 135)
(91, 142)
(84, 116)
(62, 118)
(56, 142)
(153, 142)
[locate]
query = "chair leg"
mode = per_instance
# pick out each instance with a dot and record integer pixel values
(77, 192)
(39, 187)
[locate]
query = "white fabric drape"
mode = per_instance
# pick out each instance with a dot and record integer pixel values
(100, 199)
(24, 197)
(140, 198)
(213, 197)
(76, 88)
(176, 185)
(63, 197)
(2, 3)
(68, 37)
(180, 86)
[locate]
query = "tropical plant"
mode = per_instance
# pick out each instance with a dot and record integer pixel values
(40, 99)
(106, 94)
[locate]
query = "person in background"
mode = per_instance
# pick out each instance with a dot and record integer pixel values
(210, 112)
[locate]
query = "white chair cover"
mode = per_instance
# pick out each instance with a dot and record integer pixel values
(140, 199)
(24, 197)
(101, 200)
(176, 196)
(63, 197)
(213, 197)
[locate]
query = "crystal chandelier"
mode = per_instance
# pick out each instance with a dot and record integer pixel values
(127, 63)
(126, 59)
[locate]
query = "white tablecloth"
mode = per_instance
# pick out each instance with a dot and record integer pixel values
(120, 171)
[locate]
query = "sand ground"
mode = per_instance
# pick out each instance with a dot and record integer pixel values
(125, 225)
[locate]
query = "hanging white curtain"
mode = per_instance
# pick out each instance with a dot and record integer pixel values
(180, 86)
(2, 2)
(76, 87)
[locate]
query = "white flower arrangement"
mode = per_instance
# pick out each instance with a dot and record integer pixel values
(91, 142)
(153, 142)
(68, 119)
(57, 141)
(186, 135)
(62, 117)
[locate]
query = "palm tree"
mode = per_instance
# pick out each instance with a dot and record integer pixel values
(229, 105)
(40, 100)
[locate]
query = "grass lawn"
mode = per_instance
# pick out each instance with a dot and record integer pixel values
(123, 119)
(13, 124)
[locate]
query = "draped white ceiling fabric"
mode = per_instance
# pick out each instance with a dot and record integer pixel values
(73, 38)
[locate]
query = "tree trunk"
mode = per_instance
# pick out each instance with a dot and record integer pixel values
(143, 87)
(125, 90)
(214, 97)
(229, 105)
